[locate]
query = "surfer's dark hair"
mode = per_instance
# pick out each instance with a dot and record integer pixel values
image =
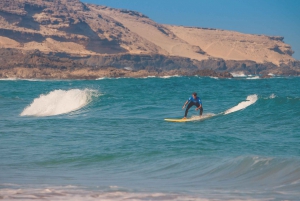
(195, 94)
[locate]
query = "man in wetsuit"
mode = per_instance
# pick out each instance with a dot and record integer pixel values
(193, 100)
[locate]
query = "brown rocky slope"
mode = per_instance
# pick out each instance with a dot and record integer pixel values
(70, 39)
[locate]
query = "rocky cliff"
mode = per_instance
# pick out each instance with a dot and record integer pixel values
(69, 35)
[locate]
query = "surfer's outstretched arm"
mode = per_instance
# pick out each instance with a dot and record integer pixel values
(185, 104)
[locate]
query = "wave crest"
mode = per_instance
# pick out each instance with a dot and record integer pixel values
(59, 102)
(242, 105)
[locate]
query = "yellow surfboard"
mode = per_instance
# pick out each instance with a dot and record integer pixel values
(177, 120)
(193, 118)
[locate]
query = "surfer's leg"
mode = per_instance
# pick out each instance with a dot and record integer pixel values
(201, 111)
(187, 108)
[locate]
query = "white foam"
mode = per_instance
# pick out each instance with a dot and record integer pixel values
(272, 96)
(238, 74)
(102, 78)
(162, 77)
(168, 76)
(242, 105)
(111, 78)
(253, 78)
(200, 118)
(150, 77)
(165, 77)
(216, 78)
(257, 159)
(147, 77)
(59, 102)
(66, 193)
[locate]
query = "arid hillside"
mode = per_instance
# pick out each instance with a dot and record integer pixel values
(82, 32)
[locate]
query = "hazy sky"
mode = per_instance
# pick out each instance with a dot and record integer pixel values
(269, 17)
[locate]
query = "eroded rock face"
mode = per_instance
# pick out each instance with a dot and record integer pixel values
(212, 73)
(68, 34)
(10, 58)
(36, 64)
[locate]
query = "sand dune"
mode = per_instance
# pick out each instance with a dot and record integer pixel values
(157, 34)
(231, 45)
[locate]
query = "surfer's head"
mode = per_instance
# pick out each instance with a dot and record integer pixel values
(194, 94)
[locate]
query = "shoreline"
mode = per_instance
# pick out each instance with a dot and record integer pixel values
(93, 74)
(20, 73)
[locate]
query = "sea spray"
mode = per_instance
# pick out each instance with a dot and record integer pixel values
(272, 96)
(253, 78)
(238, 74)
(59, 102)
(242, 105)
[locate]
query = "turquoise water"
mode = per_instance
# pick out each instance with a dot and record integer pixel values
(107, 139)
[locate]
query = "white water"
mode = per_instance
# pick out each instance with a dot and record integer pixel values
(242, 105)
(169, 76)
(74, 193)
(238, 74)
(216, 78)
(199, 118)
(102, 78)
(59, 102)
(272, 96)
(253, 78)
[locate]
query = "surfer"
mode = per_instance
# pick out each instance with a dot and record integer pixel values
(193, 100)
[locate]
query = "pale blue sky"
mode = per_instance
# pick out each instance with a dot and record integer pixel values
(269, 17)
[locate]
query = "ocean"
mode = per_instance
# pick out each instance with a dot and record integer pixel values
(106, 139)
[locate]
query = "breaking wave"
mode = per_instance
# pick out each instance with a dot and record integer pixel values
(59, 102)
(242, 105)
(246, 174)
(253, 78)
(238, 74)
